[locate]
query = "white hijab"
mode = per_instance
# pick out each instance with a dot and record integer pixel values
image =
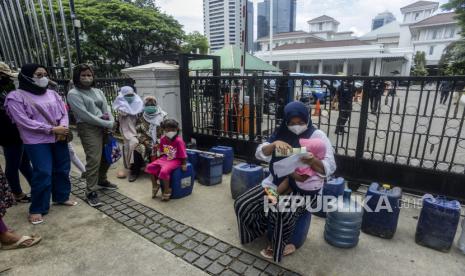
(121, 105)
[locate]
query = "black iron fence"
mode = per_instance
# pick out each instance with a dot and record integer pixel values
(401, 130)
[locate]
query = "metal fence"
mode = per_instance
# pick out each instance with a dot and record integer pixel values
(401, 130)
(36, 31)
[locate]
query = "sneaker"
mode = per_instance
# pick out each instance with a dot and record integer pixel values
(93, 200)
(107, 185)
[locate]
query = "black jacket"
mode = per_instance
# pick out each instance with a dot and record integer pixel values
(9, 134)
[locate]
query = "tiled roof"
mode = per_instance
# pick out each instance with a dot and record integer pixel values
(419, 4)
(322, 18)
(322, 44)
(442, 18)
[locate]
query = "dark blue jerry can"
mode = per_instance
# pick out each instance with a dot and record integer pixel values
(342, 227)
(244, 177)
(182, 183)
(210, 169)
(333, 187)
(382, 213)
(301, 229)
(438, 222)
(228, 157)
(193, 158)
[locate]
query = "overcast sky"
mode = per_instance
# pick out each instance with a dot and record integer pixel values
(354, 15)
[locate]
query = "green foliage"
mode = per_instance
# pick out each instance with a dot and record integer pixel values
(419, 68)
(453, 59)
(142, 3)
(122, 33)
(194, 41)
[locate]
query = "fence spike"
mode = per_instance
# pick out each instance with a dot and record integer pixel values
(368, 144)
(398, 106)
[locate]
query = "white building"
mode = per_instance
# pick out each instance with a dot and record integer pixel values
(382, 19)
(383, 51)
(223, 22)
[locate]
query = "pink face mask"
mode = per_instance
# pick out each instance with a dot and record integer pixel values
(314, 145)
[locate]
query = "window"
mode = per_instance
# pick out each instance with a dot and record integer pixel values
(435, 34)
(417, 14)
(320, 26)
(431, 50)
(451, 32)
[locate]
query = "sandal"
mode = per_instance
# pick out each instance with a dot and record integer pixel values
(24, 198)
(21, 243)
(166, 196)
(267, 253)
(37, 220)
(68, 203)
(289, 249)
(155, 189)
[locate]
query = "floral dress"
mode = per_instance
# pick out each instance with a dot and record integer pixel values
(6, 197)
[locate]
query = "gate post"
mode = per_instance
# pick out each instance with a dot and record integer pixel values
(362, 127)
(184, 86)
(217, 105)
(251, 91)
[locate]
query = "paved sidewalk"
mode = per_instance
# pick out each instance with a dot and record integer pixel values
(121, 238)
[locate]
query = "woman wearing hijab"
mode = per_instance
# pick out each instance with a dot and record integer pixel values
(148, 132)
(94, 121)
(42, 121)
(250, 207)
(128, 105)
(15, 158)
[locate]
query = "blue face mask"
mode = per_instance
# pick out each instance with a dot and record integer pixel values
(129, 98)
(150, 109)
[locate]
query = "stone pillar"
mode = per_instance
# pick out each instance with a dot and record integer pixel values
(297, 66)
(378, 66)
(277, 64)
(320, 67)
(372, 67)
(345, 67)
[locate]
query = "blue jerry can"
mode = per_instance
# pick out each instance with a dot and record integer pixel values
(228, 158)
(382, 222)
(333, 187)
(244, 177)
(438, 222)
(210, 169)
(182, 183)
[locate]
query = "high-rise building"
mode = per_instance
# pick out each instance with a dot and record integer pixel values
(284, 17)
(382, 19)
(223, 23)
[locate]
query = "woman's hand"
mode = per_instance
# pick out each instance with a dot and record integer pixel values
(314, 163)
(282, 147)
(60, 130)
(298, 177)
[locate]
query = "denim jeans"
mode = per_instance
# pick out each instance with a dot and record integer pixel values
(16, 160)
(50, 175)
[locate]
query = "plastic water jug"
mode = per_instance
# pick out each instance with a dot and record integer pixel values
(210, 169)
(438, 222)
(333, 187)
(228, 158)
(342, 228)
(244, 177)
(193, 158)
(384, 205)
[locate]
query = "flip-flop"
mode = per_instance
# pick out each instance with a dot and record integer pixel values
(267, 253)
(289, 249)
(36, 222)
(68, 203)
(21, 242)
(24, 199)
(166, 197)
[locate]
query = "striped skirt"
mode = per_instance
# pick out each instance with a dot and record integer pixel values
(253, 220)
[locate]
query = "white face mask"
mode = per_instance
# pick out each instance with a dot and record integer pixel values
(41, 82)
(171, 134)
(297, 129)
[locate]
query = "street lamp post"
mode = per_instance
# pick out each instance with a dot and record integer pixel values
(76, 26)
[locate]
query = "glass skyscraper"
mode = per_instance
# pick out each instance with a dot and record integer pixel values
(284, 17)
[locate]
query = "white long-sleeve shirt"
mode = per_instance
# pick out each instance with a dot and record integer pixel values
(329, 163)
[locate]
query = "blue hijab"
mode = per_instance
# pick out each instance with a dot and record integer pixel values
(282, 133)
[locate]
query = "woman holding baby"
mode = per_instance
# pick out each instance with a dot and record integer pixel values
(296, 131)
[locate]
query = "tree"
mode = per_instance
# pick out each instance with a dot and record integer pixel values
(123, 33)
(419, 68)
(453, 59)
(194, 41)
(143, 3)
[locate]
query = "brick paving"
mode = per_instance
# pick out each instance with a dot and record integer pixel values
(199, 249)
